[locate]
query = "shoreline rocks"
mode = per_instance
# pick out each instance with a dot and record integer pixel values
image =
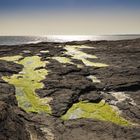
(67, 84)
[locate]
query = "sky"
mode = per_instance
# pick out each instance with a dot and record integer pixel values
(69, 17)
(50, 4)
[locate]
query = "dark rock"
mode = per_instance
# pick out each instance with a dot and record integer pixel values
(92, 96)
(9, 67)
(6, 88)
(131, 108)
(82, 129)
(62, 101)
(67, 84)
(11, 127)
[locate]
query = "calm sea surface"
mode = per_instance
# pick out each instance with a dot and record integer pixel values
(15, 40)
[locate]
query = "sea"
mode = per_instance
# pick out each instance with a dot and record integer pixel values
(19, 40)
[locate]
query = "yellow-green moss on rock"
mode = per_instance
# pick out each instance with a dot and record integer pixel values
(62, 60)
(76, 53)
(99, 111)
(11, 58)
(27, 81)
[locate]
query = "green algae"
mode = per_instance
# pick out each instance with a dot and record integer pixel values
(11, 58)
(63, 60)
(76, 53)
(27, 82)
(100, 111)
(89, 63)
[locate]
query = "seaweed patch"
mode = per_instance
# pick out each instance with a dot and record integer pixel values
(26, 83)
(100, 111)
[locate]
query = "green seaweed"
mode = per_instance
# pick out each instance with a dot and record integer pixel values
(100, 111)
(11, 58)
(94, 64)
(76, 53)
(63, 60)
(26, 83)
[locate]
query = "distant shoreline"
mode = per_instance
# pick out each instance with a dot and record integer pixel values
(21, 40)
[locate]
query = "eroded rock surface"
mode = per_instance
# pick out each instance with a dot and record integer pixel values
(107, 71)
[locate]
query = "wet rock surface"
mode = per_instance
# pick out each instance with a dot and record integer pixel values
(67, 84)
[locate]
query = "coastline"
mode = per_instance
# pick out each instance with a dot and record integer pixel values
(20, 40)
(71, 67)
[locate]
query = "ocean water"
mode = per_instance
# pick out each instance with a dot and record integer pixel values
(17, 40)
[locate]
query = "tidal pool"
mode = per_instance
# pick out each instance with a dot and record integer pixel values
(100, 111)
(27, 81)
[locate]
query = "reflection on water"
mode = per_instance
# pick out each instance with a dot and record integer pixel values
(15, 40)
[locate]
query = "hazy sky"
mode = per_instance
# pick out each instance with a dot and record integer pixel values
(80, 17)
(53, 4)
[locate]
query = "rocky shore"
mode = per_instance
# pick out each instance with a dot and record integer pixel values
(80, 90)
